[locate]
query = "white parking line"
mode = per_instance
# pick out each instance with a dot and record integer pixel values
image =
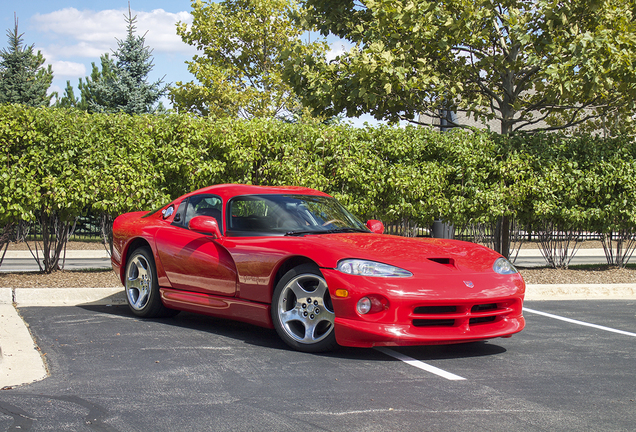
(419, 364)
(596, 326)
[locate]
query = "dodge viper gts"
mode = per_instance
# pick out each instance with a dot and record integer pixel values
(294, 259)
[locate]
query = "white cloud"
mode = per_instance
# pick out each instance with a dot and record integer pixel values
(162, 33)
(68, 69)
(90, 33)
(337, 49)
(55, 89)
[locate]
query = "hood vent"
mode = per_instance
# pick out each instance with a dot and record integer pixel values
(448, 262)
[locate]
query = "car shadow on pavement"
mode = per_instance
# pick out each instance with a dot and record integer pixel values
(267, 338)
(247, 333)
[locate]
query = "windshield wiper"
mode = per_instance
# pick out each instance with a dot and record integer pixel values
(331, 231)
(347, 230)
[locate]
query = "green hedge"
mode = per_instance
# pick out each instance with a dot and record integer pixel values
(70, 162)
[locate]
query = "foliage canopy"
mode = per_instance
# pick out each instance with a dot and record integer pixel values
(238, 71)
(528, 64)
(56, 164)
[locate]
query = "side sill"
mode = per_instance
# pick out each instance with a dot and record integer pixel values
(218, 306)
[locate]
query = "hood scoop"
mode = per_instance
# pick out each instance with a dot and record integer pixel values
(448, 262)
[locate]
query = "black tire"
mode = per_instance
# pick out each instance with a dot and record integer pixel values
(142, 287)
(302, 311)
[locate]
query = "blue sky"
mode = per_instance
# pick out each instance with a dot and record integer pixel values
(72, 34)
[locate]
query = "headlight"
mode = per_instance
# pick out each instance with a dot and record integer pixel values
(371, 268)
(503, 266)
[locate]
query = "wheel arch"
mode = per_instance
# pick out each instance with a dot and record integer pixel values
(132, 246)
(286, 266)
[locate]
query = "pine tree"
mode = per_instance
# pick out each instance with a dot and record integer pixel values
(68, 100)
(123, 84)
(88, 97)
(23, 79)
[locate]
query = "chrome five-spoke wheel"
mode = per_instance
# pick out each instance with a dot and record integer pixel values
(142, 288)
(302, 311)
(138, 282)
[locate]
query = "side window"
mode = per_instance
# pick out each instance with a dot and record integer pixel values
(204, 205)
(179, 217)
(252, 213)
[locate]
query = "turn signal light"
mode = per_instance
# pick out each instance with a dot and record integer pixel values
(342, 293)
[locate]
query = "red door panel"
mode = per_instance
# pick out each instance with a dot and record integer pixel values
(195, 262)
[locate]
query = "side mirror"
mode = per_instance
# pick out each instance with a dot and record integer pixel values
(375, 226)
(205, 225)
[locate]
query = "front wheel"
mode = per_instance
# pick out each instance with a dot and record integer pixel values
(142, 288)
(302, 311)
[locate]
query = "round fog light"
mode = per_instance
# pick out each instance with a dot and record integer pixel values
(364, 305)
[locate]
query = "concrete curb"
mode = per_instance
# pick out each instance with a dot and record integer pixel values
(53, 297)
(25, 297)
(580, 291)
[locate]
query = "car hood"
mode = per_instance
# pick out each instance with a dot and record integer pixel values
(430, 256)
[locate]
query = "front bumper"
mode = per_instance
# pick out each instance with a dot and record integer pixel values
(427, 310)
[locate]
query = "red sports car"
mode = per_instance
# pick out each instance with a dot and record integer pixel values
(294, 259)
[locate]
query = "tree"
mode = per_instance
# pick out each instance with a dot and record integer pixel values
(68, 100)
(523, 63)
(89, 97)
(239, 71)
(23, 79)
(123, 82)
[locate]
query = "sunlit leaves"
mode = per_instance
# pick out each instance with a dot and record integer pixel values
(238, 70)
(64, 162)
(514, 61)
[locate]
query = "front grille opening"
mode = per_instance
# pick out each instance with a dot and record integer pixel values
(482, 320)
(435, 309)
(434, 322)
(484, 307)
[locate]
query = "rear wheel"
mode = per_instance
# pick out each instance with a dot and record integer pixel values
(302, 311)
(142, 288)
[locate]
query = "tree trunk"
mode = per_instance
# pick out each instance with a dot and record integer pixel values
(502, 231)
(501, 236)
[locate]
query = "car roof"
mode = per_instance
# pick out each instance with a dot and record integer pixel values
(226, 191)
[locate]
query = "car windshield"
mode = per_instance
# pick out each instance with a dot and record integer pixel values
(290, 215)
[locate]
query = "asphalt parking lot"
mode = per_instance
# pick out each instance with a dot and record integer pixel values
(110, 371)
